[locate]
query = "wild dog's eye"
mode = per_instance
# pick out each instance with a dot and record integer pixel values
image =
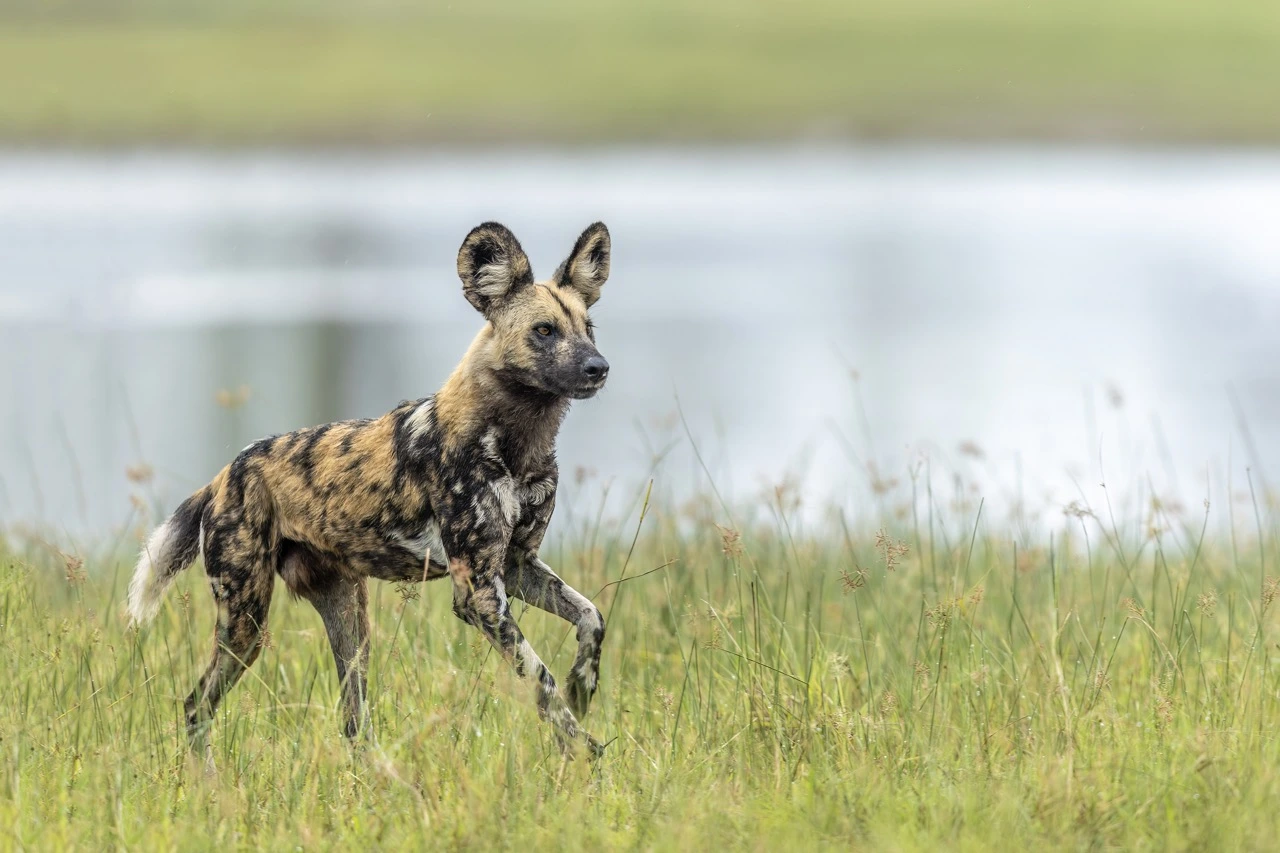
(544, 329)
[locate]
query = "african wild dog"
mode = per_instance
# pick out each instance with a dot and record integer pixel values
(462, 484)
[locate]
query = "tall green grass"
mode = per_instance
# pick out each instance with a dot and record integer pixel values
(939, 680)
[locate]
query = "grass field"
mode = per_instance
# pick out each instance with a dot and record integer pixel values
(146, 71)
(942, 683)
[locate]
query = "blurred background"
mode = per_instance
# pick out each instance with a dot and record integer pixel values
(1007, 250)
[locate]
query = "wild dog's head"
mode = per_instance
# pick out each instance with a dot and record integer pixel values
(541, 336)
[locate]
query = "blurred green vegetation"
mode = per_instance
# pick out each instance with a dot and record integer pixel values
(577, 71)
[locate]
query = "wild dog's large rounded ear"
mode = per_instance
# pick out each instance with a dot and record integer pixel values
(587, 266)
(492, 266)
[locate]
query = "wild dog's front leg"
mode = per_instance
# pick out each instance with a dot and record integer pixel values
(480, 599)
(533, 581)
(476, 534)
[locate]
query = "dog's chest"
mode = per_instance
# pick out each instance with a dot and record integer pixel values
(518, 488)
(516, 496)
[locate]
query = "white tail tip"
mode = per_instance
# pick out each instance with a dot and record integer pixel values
(146, 590)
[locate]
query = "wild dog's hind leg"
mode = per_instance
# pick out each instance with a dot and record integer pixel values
(343, 605)
(242, 580)
(533, 581)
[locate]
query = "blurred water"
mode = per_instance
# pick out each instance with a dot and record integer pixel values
(1071, 315)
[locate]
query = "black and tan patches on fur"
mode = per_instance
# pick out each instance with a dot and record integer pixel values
(460, 484)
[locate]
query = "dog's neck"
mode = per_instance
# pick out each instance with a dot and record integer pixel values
(477, 401)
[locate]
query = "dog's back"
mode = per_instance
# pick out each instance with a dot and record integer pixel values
(461, 483)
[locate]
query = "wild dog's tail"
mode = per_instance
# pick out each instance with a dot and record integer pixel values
(172, 547)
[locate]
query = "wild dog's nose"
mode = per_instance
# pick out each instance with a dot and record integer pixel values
(595, 368)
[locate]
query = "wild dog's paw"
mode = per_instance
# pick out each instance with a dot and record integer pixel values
(572, 747)
(578, 695)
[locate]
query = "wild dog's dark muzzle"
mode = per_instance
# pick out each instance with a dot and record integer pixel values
(589, 377)
(595, 369)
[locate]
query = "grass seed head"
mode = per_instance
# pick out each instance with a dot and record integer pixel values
(229, 398)
(856, 579)
(1270, 587)
(730, 542)
(141, 473)
(891, 549)
(74, 570)
(939, 616)
(888, 703)
(665, 698)
(922, 672)
(1075, 509)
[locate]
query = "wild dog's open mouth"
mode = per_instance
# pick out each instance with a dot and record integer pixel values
(583, 392)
